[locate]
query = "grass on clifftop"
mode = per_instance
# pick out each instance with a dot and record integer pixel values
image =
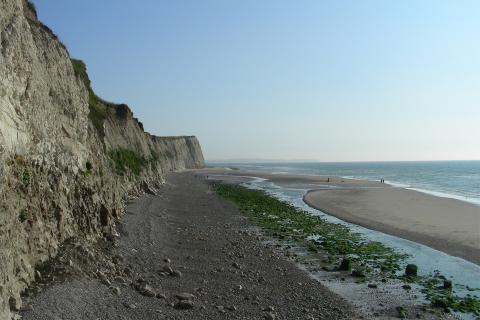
(345, 249)
(32, 6)
(97, 112)
(97, 106)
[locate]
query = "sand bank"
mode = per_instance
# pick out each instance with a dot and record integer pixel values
(449, 225)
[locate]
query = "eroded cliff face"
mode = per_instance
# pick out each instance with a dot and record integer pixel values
(67, 158)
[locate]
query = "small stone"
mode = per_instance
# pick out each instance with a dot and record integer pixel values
(372, 285)
(167, 260)
(232, 308)
(167, 269)
(269, 309)
(116, 290)
(406, 287)
(146, 290)
(183, 305)
(176, 273)
(269, 316)
(129, 305)
(184, 296)
(161, 296)
(120, 279)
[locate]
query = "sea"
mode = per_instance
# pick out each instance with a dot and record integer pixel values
(452, 179)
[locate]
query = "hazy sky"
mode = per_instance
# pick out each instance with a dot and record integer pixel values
(325, 80)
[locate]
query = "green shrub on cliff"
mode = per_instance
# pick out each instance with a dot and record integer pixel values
(97, 113)
(127, 160)
(23, 216)
(81, 72)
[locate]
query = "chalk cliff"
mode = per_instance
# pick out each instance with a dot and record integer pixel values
(68, 159)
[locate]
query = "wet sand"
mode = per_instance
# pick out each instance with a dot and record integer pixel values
(445, 224)
(448, 225)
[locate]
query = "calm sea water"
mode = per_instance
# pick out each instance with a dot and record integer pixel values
(454, 179)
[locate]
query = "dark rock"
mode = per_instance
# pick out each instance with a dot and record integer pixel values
(345, 265)
(411, 270)
(439, 303)
(358, 273)
(447, 284)
(14, 303)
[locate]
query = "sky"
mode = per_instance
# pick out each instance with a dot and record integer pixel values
(318, 80)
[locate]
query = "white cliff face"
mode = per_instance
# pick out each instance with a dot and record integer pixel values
(56, 178)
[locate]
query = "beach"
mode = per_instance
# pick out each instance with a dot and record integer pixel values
(184, 253)
(445, 224)
(448, 225)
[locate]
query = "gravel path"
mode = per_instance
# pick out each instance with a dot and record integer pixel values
(187, 254)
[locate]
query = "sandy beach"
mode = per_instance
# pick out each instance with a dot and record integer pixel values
(448, 225)
(445, 224)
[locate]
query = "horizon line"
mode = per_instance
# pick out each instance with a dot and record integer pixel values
(246, 160)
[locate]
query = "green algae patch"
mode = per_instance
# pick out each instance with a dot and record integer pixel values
(284, 221)
(345, 249)
(439, 291)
